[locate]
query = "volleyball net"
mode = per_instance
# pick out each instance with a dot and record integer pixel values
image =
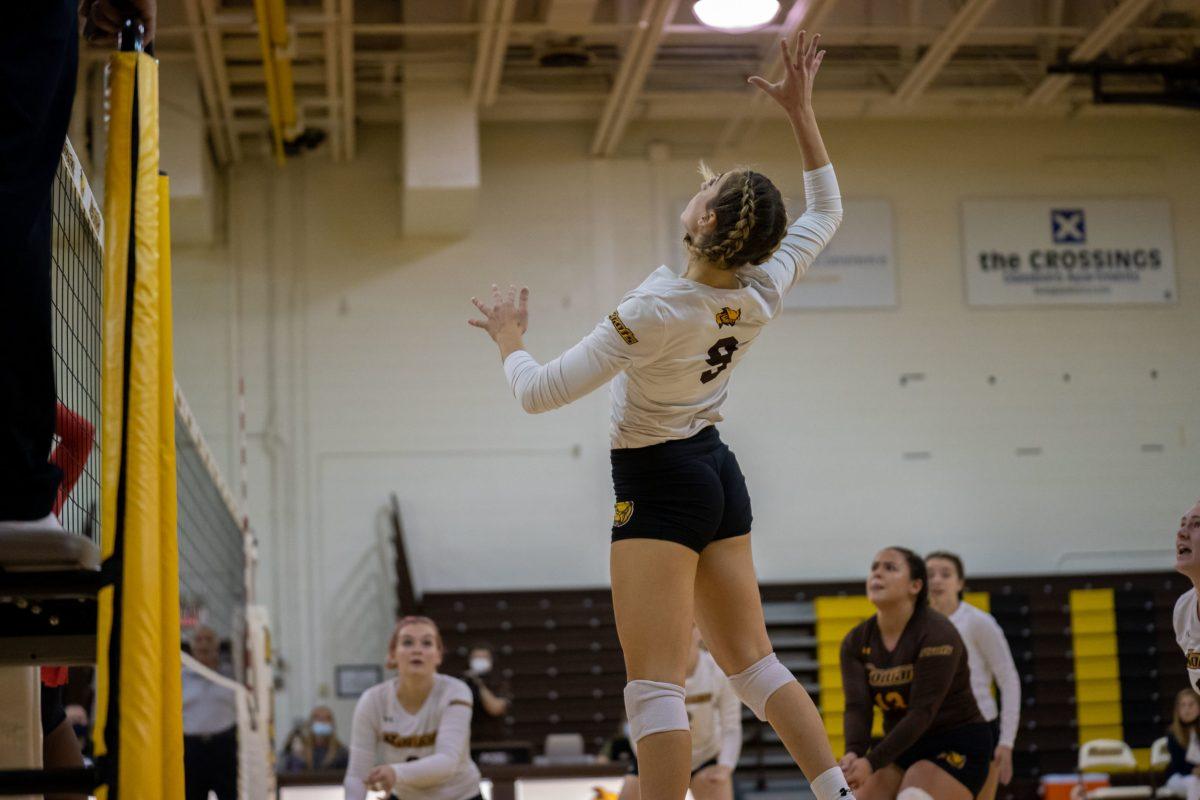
(215, 544)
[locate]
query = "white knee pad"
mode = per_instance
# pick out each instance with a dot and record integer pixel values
(654, 707)
(913, 793)
(758, 682)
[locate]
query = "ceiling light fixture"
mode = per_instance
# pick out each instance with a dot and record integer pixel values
(735, 16)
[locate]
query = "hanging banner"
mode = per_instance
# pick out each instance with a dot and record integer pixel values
(1068, 251)
(858, 268)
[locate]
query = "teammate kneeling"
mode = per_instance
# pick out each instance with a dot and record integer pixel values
(716, 718)
(419, 721)
(910, 661)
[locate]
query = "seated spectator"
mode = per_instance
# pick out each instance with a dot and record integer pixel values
(315, 746)
(1183, 742)
(491, 705)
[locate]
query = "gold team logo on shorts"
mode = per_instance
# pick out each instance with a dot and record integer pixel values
(624, 510)
(956, 760)
(728, 316)
(622, 328)
(1193, 659)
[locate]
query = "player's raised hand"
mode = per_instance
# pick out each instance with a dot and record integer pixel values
(505, 314)
(800, 65)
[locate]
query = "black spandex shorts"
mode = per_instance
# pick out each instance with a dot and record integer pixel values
(964, 752)
(994, 726)
(633, 766)
(53, 713)
(690, 491)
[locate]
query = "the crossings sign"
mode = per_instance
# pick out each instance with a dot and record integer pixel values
(1068, 251)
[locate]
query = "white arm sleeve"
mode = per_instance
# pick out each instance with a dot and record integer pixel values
(809, 234)
(363, 734)
(729, 708)
(998, 658)
(453, 742)
(630, 335)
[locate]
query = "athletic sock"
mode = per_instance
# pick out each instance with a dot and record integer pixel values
(831, 785)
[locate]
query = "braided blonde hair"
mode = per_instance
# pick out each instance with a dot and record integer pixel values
(720, 252)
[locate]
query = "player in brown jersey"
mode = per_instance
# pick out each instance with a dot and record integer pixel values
(909, 661)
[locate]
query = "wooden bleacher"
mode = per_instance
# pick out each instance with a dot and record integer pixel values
(559, 653)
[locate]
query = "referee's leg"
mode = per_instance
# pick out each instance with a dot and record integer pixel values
(40, 43)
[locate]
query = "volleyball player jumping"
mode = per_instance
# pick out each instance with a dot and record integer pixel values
(681, 544)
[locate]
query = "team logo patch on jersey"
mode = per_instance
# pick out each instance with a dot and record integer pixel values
(728, 316)
(622, 328)
(1193, 659)
(956, 760)
(622, 512)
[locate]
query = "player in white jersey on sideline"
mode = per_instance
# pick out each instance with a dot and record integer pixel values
(716, 718)
(989, 658)
(681, 544)
(412, 734)
(1187, 611)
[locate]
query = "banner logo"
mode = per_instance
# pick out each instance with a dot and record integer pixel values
(1067, 226)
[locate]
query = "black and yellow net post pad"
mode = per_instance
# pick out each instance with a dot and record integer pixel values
(139, 726)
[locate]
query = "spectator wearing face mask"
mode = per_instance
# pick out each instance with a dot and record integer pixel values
(314, 745)
(491, 703)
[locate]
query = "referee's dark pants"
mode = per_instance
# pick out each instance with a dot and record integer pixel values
(211, 763)
(39, 54)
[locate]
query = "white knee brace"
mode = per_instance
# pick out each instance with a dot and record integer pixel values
(913, 793)
(758, 682)
(654, 707)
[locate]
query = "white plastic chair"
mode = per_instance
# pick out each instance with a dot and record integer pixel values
(1111, 755)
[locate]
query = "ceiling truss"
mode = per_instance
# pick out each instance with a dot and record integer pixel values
(650, 59)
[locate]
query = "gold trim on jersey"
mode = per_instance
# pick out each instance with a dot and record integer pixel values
(941, 650)
(622, 328)
(414, 742)
(460, 703)
(891, 676)
(698, 698)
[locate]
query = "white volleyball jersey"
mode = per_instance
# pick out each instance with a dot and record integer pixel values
(715, 715)
(1187, 634)
(672, 343)
(429, 750)
(990, 659)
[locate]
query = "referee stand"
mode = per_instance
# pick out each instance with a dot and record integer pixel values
(116, 605)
